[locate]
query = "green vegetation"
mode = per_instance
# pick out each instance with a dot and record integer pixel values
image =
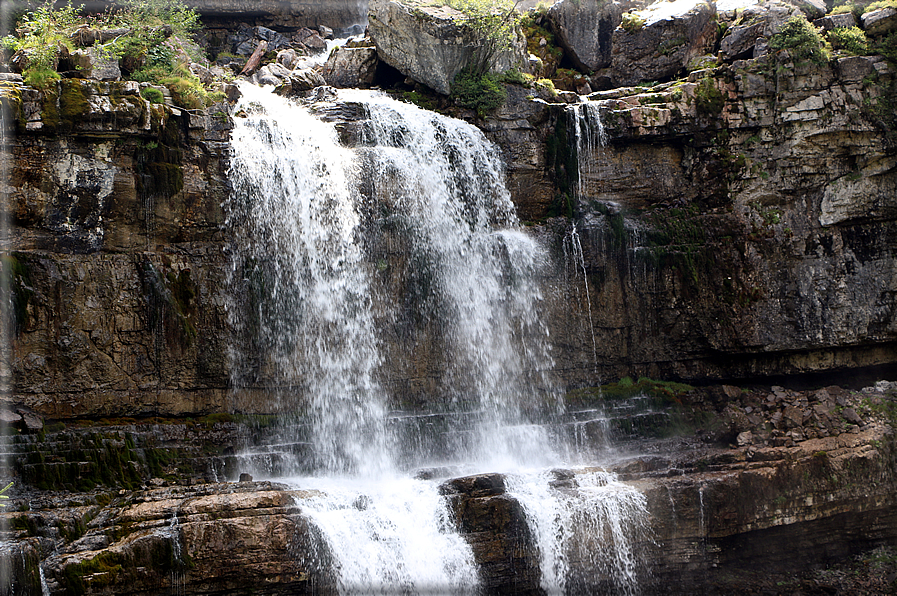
(477, 91)
(708, 98)
(152, 95)
(802, 40)
(495, 23)
(99, 572)
(625, 388)
(880, 4)
(886, 45)
(851, 40)
(44, 35)
(632, 22)
(3, 494)
(156, 45)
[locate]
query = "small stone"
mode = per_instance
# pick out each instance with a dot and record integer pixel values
(326, 32)
(745, 438)
(244, 477)
(851, 415)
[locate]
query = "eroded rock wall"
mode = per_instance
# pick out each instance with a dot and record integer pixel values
(118, 264)
(737, 225)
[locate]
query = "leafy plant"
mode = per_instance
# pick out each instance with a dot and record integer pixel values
(495, 22)
(44, 33)
(152, 95)
(3, 494)
(880, 4)
(850, 39)
(802, 40)
(481, 92)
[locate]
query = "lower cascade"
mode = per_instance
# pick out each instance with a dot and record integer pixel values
(323, 234)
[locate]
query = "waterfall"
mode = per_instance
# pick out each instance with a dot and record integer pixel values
(312, 316)
(611, 517)
(393, 537)
(294, 217)
(444, 181)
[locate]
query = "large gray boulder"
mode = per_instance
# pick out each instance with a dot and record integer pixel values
(757, 23)
(351, 67)
(658, 42)
(881, 21)
(585, 28)
(429, 44)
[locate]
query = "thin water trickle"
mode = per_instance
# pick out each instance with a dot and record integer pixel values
(589, 136)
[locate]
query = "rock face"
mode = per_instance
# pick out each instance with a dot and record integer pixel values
(655, 45)
(716, 514)
(585, 29)
(351, 67)
(776, 197)
(115, 210)
(427, 43)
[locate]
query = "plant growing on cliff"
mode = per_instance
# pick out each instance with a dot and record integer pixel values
(495, 22)
(802, 40)
(482, 92)
(851, 40)
(43, 35)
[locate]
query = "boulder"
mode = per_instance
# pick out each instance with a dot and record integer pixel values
(585, 28)
(881, 21)
(835, 21)
(91, 63)
(264, 76)
(351, 67)
(300, 81)
(748, 36)
(288, 58)
(310, 39)
(429, 44)
(657, 43)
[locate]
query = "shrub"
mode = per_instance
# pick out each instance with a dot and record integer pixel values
(880, 4)
(886, 45)
(850, 39)
(40, 77)
(802, 40)
(495, 22)
(481, 92)
(152, 95)
(515, 77)
(842, 9)
(632, 22)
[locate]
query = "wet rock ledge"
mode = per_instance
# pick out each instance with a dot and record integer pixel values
(717, 512)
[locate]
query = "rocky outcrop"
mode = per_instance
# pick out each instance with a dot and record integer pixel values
(654, 44)
(115, 209)
(430, 44)
(585, 29)
(881, 21)
(707, 197)
(715, 513)
(351, 67)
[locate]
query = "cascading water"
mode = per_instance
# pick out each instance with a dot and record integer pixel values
(310, 314)
(294, 216)
(610, 518)
(445, 184)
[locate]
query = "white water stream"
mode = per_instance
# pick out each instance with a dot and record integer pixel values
(305, 310)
